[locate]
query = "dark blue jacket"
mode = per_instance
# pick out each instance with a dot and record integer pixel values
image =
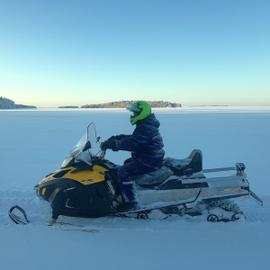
(145, 143)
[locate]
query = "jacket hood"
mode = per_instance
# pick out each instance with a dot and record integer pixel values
(150, 120)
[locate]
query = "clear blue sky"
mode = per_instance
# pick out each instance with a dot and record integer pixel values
(58, 52)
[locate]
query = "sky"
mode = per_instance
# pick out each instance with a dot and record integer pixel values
(195, 52)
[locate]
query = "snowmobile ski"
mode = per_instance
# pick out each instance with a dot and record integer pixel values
(21, 217)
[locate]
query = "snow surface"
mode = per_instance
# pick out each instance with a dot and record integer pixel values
(34, 143)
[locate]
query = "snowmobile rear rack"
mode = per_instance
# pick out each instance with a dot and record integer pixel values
(224, 169)
(239, 167)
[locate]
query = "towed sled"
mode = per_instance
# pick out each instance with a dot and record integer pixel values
(86, 186)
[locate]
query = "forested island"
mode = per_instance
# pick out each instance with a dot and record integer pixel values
(124, 104)
(6, 103)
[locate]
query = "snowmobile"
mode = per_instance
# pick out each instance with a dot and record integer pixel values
(86, 186)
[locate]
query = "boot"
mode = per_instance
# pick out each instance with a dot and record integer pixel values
(127, 206)
(129, 198)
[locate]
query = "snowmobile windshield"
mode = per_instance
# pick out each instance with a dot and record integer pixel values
(85, 149)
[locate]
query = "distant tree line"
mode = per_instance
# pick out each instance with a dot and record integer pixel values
(6, 103)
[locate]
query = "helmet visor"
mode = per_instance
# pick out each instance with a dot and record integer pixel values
(134, 107)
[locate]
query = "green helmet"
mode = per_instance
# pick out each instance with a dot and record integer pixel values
(141, 110)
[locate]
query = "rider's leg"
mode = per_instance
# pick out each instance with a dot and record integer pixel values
(126, 183)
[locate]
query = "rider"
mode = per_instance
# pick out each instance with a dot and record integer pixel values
(146, 147)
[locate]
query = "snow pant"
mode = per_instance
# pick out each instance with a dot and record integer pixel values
(126, 175)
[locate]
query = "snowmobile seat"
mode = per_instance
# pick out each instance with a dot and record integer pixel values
(154, 178)
(187, 166)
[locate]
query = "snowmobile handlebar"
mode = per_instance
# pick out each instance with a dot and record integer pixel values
(102, 154)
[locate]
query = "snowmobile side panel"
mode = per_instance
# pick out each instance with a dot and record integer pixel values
(149, 197)
(178, 184)
(190, 201)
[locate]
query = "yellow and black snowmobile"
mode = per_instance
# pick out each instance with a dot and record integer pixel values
(86, 186)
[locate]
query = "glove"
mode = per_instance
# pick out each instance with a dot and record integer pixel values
(133, 155)
(111, 143)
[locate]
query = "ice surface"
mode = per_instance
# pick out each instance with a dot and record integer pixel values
(34, 143)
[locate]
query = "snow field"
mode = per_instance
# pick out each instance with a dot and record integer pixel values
(34, 143)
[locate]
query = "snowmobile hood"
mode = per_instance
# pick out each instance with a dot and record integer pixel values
(82, 176)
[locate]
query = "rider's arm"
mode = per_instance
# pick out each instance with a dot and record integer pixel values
(128, 143)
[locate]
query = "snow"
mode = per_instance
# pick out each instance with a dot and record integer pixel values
(34, 143)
